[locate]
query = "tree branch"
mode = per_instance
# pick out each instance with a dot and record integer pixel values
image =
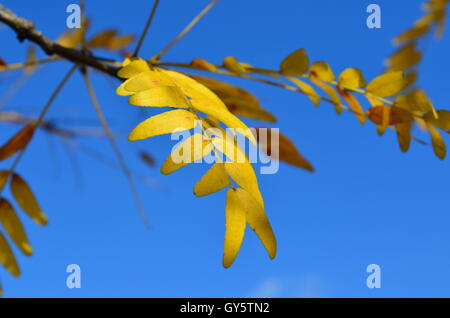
(26, 30)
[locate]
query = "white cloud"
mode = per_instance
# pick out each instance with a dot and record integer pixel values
(305, 286)
(269, 288)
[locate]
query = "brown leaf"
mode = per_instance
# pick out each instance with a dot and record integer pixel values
(388, 115)
(110, 40)
(3, 178)
(18, 142)
(287, 152)
(354, 104)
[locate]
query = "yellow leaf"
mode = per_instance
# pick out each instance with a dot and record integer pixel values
(7, 258)
(164, 96)
(354, 105)
(421, 123)
(238, 167)
(12, 225)
(416, 101)
(374, 102)
(439, 146)
(235, 215)
(352, 78)
(18, 142)
(440, 16)
(295, 64)
(205, 101)
(256, 219)
(203, 65)
(194, 148)
(413, 33)
(411, 78)
(210, 122)
(165, 123)
(381, 130)
(307, 90)
(321, 71)
(26, 200)
(331, 92)
(143, 81)
(243, 109)
(404, 135)
(199, 96)
(132, 67)
(233, 65)
(387, 84)
(237, 100)
(404, 58)
(441, 120)
(215, 179)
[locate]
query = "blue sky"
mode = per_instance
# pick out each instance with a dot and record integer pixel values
(366, 203)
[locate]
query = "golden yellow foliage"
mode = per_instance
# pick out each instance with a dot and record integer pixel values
(26, 200)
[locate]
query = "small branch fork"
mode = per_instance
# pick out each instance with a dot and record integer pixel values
(26, 30)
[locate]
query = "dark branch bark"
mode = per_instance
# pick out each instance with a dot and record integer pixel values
(25, 30)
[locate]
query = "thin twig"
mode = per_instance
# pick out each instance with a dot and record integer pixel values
(146, 28)
(185, 30)
(13, 89)
(102, 158)
(121, 159)
(17, 66)
(74, 162)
